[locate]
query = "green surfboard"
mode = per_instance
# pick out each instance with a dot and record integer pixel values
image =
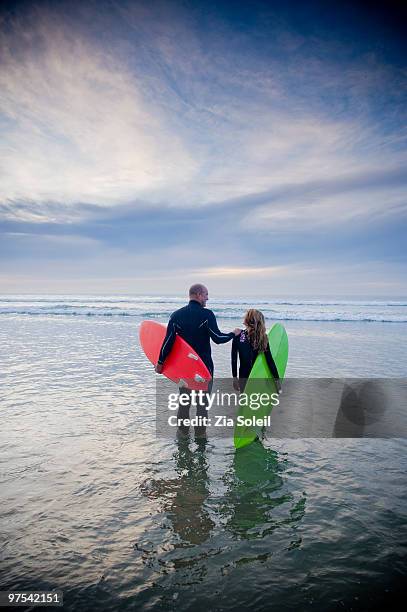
(261, 381)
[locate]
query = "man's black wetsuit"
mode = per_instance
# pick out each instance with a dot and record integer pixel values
(197, 326)
(247, 356)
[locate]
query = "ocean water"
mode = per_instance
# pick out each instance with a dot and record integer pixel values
(150, 307)
(94, 504)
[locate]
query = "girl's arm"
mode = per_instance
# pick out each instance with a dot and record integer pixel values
(271, 364)
(234, 356)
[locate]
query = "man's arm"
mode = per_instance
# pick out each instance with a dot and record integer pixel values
(167, 345)
(214, 332)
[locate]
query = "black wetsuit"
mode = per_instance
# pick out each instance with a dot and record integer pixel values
(197, 326)
(247, 356)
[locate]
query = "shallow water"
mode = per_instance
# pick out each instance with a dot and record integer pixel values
(95, 505)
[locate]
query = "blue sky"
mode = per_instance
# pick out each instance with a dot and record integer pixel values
(256, 147)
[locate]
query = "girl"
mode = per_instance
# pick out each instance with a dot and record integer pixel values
(248, 344)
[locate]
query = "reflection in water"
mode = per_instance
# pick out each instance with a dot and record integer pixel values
(184, 497)
(254, 501)
(254, 498)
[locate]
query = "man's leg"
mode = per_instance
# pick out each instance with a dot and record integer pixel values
(202, 411)
(183, 411)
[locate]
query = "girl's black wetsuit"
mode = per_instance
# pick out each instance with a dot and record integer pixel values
(247, 356)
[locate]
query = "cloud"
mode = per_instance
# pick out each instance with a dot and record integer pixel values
(352, 217)
(368, 278)
(162, 104)
(76, 124)
(358, 199)
(242, 271)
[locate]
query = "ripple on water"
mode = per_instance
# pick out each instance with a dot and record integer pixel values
(94, 503)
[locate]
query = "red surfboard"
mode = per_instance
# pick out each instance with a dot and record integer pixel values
(183, 365)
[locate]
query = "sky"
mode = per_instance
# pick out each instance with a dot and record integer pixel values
(257, 147)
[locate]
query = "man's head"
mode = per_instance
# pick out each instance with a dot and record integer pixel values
(199, 293)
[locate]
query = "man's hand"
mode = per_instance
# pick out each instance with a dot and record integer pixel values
(237, 331)
(159, 368)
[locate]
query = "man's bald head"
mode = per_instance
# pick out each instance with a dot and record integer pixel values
(197, 289)
(199, 293)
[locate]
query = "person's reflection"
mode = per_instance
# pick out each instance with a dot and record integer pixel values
(254, 485)
(184, 497)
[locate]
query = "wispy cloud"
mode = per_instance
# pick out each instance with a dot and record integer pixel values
(242, 271)
(358, 199)
(159, 115)
(76, 125)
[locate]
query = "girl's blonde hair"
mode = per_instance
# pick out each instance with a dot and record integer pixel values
(256, 329)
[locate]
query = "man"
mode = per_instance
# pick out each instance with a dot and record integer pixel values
(196, 325)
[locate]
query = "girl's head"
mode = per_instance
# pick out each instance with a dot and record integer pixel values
(256, 329)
